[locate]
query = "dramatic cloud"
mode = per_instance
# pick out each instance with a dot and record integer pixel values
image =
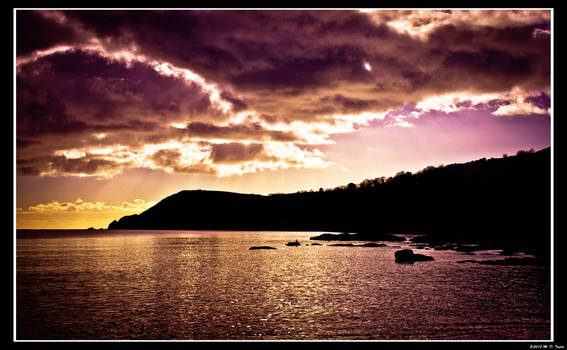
(421, 23)
(234, 92)
(253, 131)
(237, 152)
(38, 31)
(79, 205)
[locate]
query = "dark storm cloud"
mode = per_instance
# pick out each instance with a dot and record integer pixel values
(176, 36)
(132, 125)
(520, 38)
(36, 32)
(87, 164)
(248, 49)
(28, 171)
(78, 91)
(27, 167)
(198, 168)
(238, 132)
(237, 104)
(297, 74)
(277, 66)
(299, 49)
(166, 158)
(300, 57)
(237, 152)
(25, 143)
(492, 65)
(41, 112)
(347, 104)
(78, 99)
(491, 58)
(84, 165)
(543, 100)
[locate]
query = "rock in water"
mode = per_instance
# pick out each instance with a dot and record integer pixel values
(407, 255)
(358, 237)
(261, 247)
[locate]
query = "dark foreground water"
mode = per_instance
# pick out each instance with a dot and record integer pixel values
(209, 285)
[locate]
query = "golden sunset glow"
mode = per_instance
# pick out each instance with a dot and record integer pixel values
(76, 215)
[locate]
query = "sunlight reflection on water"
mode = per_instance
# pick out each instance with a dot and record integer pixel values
(209, 285)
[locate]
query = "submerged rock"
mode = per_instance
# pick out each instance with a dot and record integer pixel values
(407, 255)
(341, 245)
(261, 247)
(293, 244)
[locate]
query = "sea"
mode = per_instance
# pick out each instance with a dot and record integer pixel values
(208, 285)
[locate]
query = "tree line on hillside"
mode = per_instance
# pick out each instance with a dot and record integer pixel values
(372, 184)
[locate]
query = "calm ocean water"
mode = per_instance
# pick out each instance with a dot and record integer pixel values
(209, 285)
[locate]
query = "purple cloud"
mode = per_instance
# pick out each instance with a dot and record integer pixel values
(172, 79)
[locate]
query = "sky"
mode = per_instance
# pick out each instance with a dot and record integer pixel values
(117, 109)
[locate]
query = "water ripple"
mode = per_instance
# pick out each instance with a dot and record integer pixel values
(209, 285)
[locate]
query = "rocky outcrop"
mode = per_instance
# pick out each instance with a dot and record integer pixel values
(407, 255)
(372, 245)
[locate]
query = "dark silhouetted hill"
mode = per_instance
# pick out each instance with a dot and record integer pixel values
(502, 201)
